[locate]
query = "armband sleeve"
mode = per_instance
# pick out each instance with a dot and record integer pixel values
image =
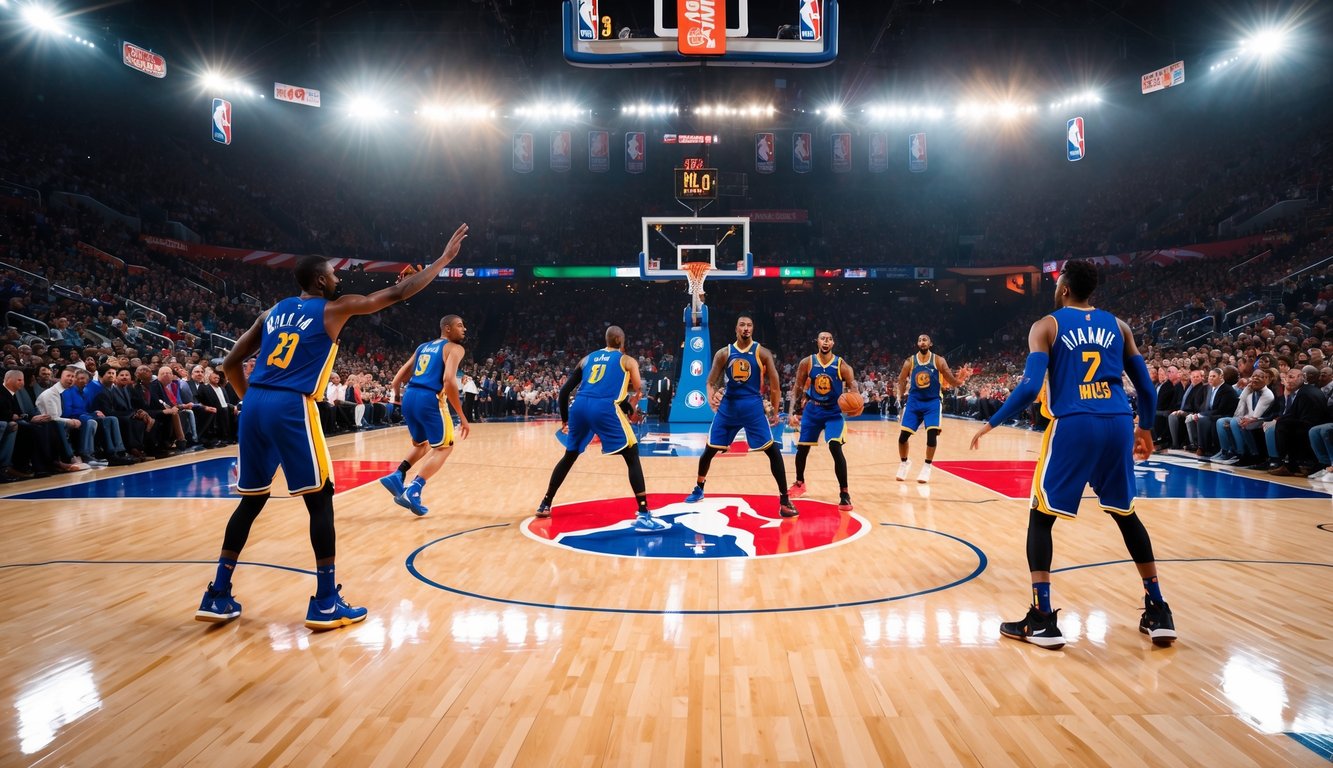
(1026, 391)
(1145, 392)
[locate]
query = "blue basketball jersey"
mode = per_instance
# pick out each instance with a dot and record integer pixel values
(825, 383)
(744, 372)
(295, 353)
(1086, 365)
(604, 375)
(428, 370)
(925, 381)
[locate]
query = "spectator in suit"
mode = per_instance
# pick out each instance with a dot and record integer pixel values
(1192, 401)
(77, 434)
(114, 401)
(221, 412)
(663, 390)
(469, 390)
(205, 416)
(1222, 400)
(1303, 409)
(38, 445)
(1170, 396)
(77, 401)
(166, 389)
(341, 412)
(164, 436)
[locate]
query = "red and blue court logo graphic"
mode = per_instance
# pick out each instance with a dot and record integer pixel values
(1152, 480)
(721, 526)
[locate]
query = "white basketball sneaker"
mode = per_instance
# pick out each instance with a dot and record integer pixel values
(924, 477)
(903, 468)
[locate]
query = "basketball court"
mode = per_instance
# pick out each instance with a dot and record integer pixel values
(737, 637)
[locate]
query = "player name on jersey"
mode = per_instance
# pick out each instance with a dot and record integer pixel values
(287, 320)
(1078, 337)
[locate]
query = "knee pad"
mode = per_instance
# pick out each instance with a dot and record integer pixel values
(932, 437)
(903, 437)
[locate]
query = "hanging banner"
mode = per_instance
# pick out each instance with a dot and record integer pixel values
(842, 152)
(812, 21)
(599, 151)
(222, 121)
(916, 153)
(143, 60)
(1165, 77)
(801, 152)
(636, 152)
(1074, 139)
(879, 152)
(765, 156)
(560, 151)
(701, 27)
(296, 94)
(523, 152)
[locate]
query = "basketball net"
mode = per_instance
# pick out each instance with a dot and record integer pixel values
(695, 273)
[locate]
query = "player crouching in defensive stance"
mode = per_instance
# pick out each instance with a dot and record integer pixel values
(606, 379)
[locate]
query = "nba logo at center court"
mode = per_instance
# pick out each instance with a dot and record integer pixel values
(1074, 138)
(812, 23)
(587, 19)
(714, 527)
(222, 121)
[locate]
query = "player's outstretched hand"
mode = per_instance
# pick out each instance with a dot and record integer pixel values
(564, 428)
(464, 428)
(976, 439)
(455, 242)
(715, 399)
(637, 417)
(1142, 444)
(794, 421)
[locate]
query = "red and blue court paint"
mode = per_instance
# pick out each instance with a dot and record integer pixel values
(1153, 479)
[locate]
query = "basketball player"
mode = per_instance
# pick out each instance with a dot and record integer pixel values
(1082, 352)
(432, 376)
(607, 380)
(297, 341)
(734, 383)
(919, 384)
(821, 378)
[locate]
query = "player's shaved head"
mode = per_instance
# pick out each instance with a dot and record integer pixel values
(448, 320)
(615, 337)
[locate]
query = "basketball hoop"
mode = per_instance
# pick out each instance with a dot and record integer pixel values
(695, 272)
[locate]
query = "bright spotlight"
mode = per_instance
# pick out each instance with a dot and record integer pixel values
(1267, 42)
(213, 81)
(41, 18)
(834, 111)
(363, 108)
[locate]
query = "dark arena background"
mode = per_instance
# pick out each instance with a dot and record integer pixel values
(878, 171)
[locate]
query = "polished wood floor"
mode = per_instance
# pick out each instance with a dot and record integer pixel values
(105, 666)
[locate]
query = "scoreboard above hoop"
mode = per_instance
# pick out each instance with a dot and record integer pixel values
(696, 184)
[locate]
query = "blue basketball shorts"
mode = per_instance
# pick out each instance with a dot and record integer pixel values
(426, 414)
(733, 416)
(280, 428)
(590, 416)
(921, 412)
(816, 418)
(1083, 450)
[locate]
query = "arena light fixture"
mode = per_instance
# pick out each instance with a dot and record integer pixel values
(1267, 42)
(42, 19)
(367, 109)
(833, 111)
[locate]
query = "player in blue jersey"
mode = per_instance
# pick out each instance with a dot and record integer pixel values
(431, 376)
(297, 341)
(609, 388)
(821, 379)
(735, 393)
(919, 393)
(1082, 353)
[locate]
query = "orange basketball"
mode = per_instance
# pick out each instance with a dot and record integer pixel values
(851, 404)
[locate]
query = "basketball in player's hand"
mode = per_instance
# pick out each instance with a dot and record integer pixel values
(851, 404)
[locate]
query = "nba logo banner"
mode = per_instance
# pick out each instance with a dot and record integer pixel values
(587, 19)
(523, 152)
(560, 154)
(636, 152)
(801, 152)
(222, 121)
(916, 153)
(765, 159)
(879, 152)
(599, 151)
(812, 22)
(1074, 139)
(842, 152)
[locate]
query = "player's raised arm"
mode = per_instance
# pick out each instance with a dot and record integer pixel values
(797, 387)
(947, 374)
(233, 365)
(339, 310)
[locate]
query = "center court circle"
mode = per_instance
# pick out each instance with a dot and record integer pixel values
(429, 563)
(717, 526)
